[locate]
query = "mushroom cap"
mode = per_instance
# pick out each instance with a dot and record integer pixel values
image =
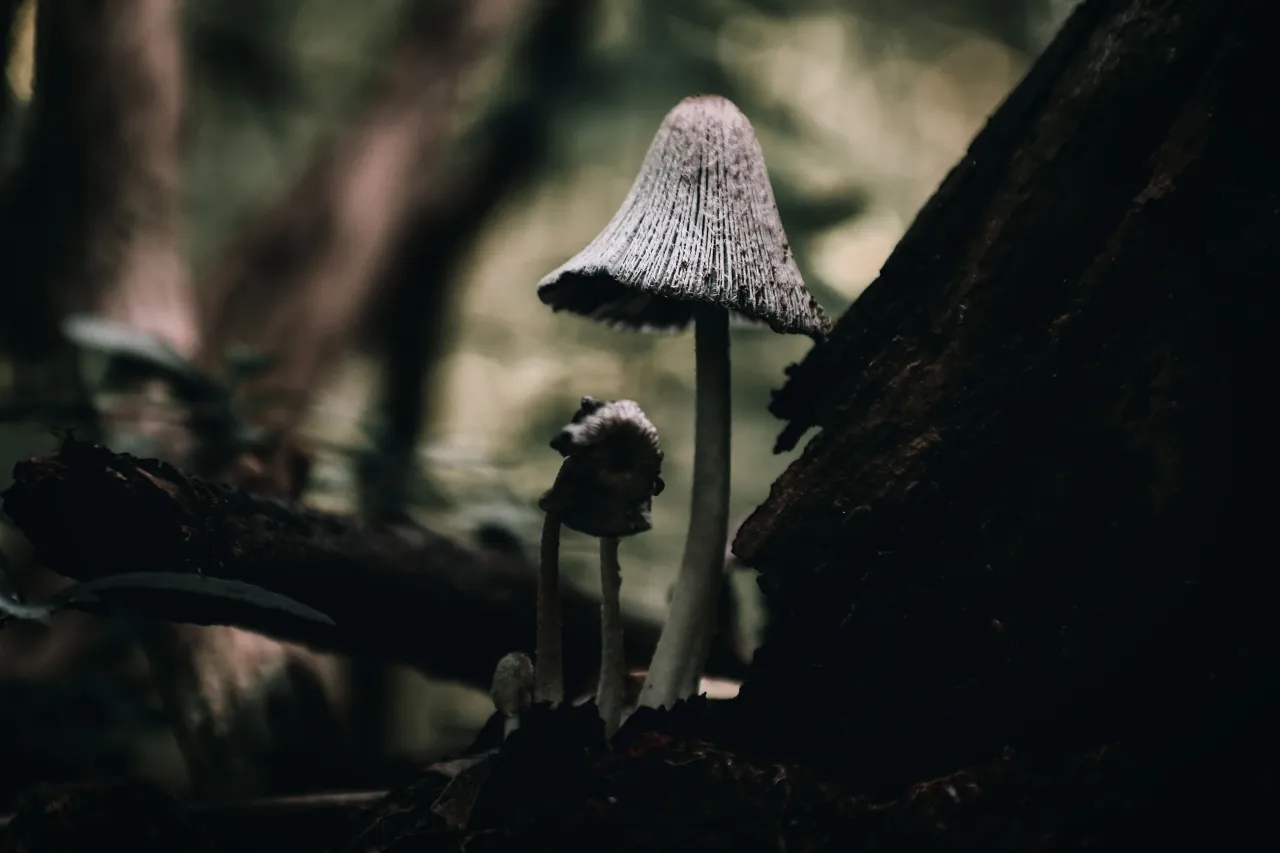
(611, 472)
(512, 689)
(699, 227)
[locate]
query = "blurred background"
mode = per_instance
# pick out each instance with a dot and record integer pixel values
(337, 213)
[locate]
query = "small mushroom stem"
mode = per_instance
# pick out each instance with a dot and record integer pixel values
(685, 643)
(613, 663)
(548, 684)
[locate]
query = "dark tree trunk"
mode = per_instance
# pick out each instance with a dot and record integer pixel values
(90, 220)
(1021, 523)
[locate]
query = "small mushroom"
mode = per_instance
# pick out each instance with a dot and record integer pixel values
(512, 689)
(606, 485)
(698, 239)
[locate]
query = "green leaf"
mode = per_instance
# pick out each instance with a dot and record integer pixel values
(181, 582)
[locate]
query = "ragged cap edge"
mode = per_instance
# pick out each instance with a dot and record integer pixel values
(598, 421)
(699, 225)
(612, 470)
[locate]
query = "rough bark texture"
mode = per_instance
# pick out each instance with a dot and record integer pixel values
(397, 593)
(1020, 522)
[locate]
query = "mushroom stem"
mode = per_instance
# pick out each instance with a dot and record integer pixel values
(548, 685)
(613, 663)
(685, 643)
(512, 689)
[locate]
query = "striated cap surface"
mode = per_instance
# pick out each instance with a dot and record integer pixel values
(699, 227)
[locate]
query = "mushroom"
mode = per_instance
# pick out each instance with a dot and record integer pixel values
(512, 689)
(611, 472)
(698, 239)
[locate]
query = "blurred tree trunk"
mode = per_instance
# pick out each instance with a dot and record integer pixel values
(299, 281)
(509, 147)
(109, 77)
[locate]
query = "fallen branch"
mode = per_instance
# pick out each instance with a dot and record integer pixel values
(397, 593)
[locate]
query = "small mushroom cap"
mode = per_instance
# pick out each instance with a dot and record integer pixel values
(699, 227)
(611, 472)
(512, 689)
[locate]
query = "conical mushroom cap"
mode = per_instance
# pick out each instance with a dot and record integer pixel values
(699, 226)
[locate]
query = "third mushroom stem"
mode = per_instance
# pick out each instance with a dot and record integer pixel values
(676, 669)
(613, 662)
(549, 669)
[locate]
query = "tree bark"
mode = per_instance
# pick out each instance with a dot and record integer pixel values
(1020, 522)
(397, 593)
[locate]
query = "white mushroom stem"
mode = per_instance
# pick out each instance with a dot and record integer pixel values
(613, 663)
(548, 684)
(685, 643)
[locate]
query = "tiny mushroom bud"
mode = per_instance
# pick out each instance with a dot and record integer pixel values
(697, 239)
(605, 488)
(512, 689)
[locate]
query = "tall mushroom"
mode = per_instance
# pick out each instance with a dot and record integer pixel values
(697, 239)
(611, 472)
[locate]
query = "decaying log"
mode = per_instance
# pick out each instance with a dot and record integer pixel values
(1020, 522)
(397, 593)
